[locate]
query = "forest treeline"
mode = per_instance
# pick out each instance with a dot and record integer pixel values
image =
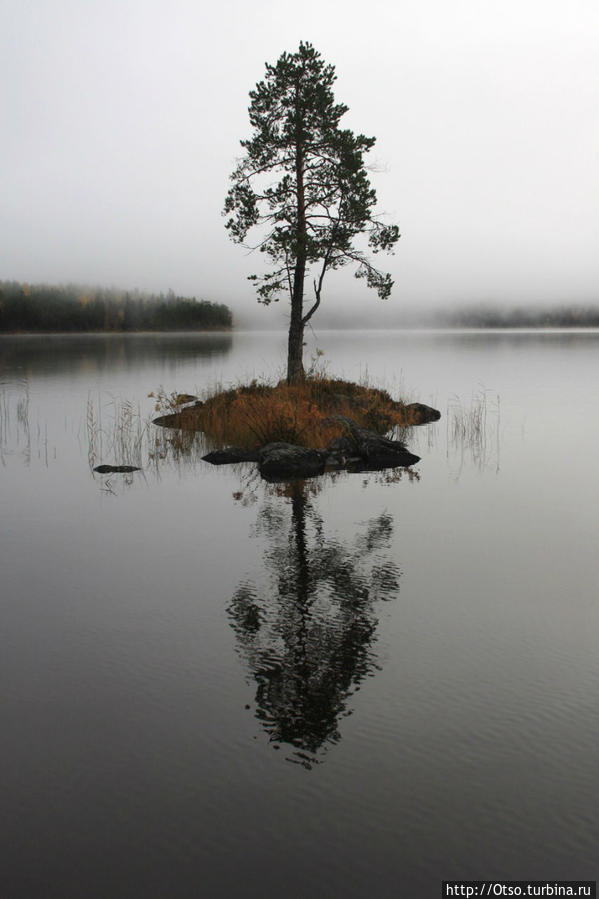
(495, 317)
(42, 307)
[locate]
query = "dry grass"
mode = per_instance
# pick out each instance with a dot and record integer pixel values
(255, 414)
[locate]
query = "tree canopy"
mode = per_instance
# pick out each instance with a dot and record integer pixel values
(302, 182)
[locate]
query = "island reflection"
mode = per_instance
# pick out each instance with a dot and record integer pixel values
(307, 634)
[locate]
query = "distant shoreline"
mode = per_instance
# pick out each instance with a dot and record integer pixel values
(406, 329)
(114, 333)
(50, 309)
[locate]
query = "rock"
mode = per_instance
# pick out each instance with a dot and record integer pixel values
(231, 454)
(359, 449)
(185, 420)
(341, 445)
(340, 451)
(384, 459)
(287, 460)
(419, 414)
(373, 450)
(118, 469)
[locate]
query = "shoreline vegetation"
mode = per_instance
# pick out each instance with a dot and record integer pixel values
(299, 429)
(122, 439)
(308, 414)
(26, 308)
(41, 308)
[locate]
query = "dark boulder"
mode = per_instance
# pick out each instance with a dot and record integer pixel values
(230, 455)
(280, 460)
(185, 420)
(373, 450)
(419, 414)
(341, 451)
(383, 459)
(115, 469)
(341, 445)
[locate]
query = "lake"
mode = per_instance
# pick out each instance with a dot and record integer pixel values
(355, 686)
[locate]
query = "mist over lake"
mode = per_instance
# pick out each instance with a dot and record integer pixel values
(360, 684)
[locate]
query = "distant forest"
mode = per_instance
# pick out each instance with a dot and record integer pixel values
(494, 317)
(41, 307)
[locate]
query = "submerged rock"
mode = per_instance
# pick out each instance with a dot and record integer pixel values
(115, 469)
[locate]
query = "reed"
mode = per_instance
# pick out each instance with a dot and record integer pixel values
(117, 432)
(15, 426)
(474, 428)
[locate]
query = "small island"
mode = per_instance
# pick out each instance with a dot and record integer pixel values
(302, 430)
(302, 189)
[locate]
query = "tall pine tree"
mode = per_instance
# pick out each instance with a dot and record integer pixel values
(303, 183)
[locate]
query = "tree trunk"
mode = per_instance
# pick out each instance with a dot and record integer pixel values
(295, 347)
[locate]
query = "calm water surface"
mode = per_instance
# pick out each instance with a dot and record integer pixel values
(350, 687)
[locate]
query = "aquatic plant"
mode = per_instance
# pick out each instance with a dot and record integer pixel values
(474, 429)
(15, 424)
(117, 431)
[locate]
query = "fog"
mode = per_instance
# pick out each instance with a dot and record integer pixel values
(122, 121)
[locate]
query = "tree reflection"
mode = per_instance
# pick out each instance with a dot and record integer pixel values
(308, 635)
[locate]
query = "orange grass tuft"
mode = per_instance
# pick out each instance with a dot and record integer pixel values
(257, 414)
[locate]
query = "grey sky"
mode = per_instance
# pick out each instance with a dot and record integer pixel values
(121, 122)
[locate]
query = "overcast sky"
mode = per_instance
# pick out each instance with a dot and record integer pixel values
(121, 122)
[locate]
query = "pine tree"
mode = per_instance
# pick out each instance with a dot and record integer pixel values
(303, 183)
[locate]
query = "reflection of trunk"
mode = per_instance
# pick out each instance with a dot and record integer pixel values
(302, 583)
(298, 517)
